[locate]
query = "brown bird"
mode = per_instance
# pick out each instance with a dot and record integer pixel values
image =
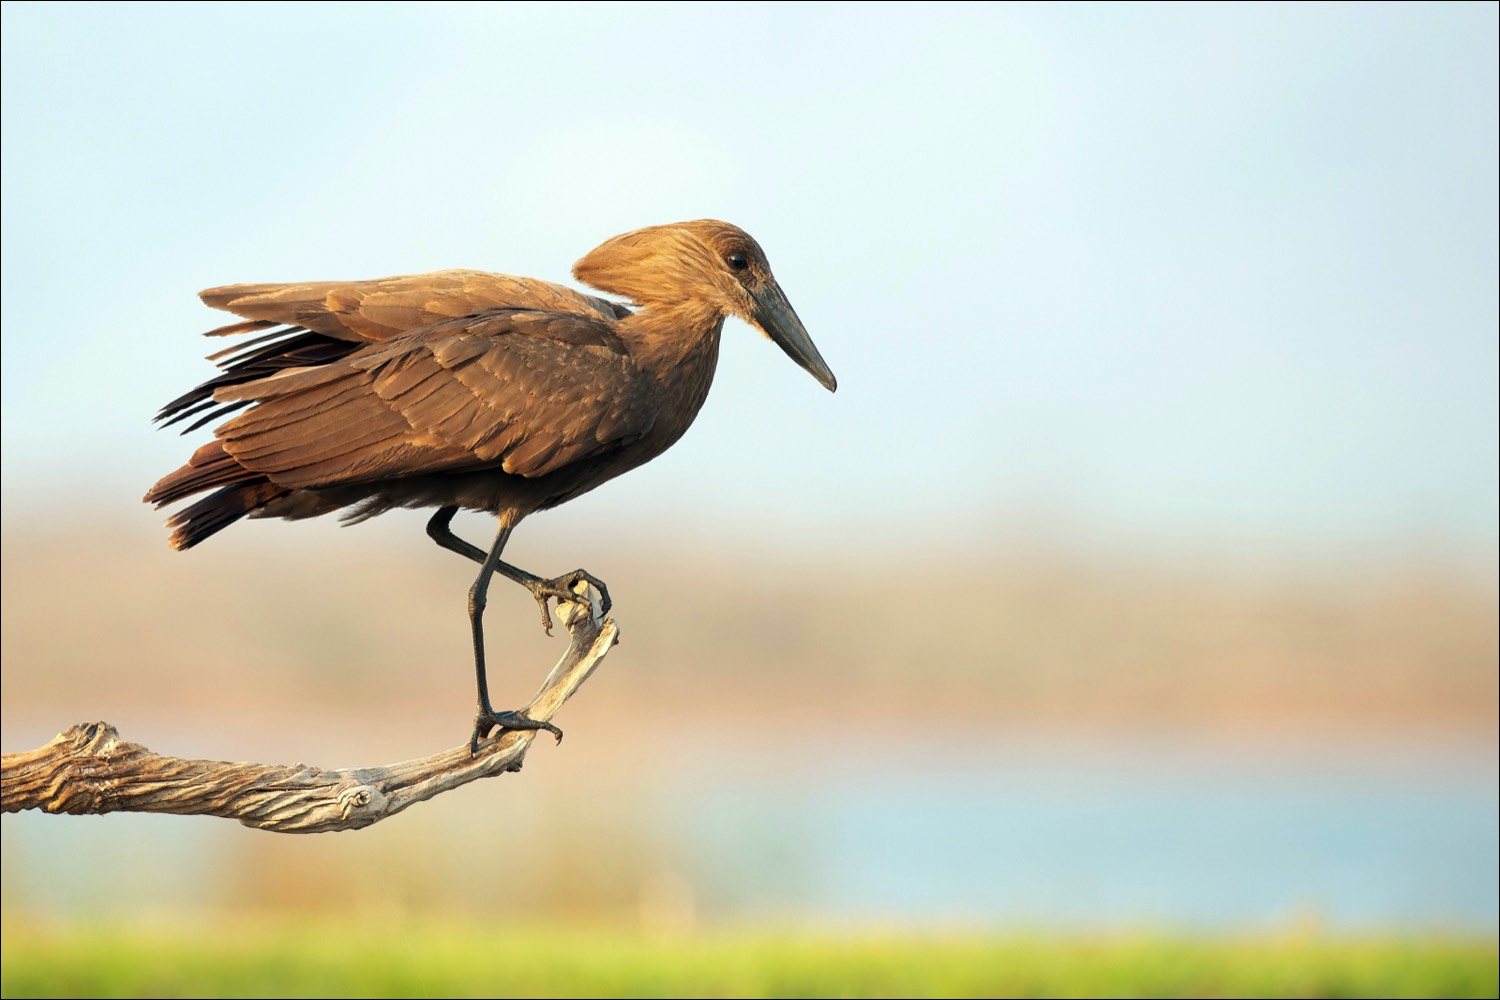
(468, 389)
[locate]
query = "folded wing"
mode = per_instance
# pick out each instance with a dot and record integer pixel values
(315, 323)
(523, 391)
(528, 392)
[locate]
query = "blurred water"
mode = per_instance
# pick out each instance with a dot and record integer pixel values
(1212, 841)
(1007, 835)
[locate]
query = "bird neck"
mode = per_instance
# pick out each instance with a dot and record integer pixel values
(664, 336)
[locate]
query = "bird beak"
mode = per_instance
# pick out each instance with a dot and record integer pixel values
(774, 315)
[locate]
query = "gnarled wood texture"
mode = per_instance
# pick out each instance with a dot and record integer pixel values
(89, 769)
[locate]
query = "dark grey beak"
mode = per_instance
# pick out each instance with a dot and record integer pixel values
(774, 315)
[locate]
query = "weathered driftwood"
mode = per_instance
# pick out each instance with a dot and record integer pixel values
(89, 769)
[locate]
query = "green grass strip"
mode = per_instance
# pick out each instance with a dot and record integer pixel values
(430, 960)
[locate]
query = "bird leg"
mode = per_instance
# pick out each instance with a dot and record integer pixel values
(487, 719)
(440, 530)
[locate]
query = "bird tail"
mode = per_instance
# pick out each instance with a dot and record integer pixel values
(240, 492)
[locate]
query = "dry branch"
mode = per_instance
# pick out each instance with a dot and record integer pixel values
(89, 769)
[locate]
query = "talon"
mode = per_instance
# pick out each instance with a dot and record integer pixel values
(546, 617)
(561, 589)
(488, 720)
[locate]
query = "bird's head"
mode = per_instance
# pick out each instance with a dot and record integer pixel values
(709, 263)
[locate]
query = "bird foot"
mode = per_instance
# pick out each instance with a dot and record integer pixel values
(561, 588)
(488, 720)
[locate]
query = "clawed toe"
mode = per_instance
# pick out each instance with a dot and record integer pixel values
(561, 589)
(488, 720)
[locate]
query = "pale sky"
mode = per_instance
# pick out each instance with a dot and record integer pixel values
(1163, 274)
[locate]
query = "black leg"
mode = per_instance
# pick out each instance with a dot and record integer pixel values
(440, 530)
(487, 719)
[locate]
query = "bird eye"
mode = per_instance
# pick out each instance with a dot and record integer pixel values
(737, 261)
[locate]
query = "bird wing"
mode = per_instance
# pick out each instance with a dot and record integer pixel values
(384, 308)
(525, 391)
(315, 323)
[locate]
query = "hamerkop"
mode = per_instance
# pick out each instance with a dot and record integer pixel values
(467, 389)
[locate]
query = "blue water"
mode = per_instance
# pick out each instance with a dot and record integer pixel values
(917, 833)
(1153, 840)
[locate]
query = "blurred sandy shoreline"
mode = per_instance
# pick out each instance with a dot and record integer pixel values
(305, 629)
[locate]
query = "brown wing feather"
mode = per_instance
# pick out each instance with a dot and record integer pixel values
(385, 308)
(524, 391)
(313, 323)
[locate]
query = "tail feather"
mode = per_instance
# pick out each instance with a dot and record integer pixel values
(219, 510)
(210, 466)
(240, 492)
(280, 347)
